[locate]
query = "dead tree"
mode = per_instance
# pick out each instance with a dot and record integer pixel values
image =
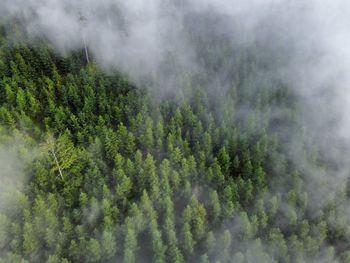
(63, 153)
(83, 24)
(54, 154)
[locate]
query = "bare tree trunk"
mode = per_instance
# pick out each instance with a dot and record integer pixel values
(83, 24)
(52, 150)
(86, 50)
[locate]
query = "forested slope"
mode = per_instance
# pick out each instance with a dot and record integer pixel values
(95, 169)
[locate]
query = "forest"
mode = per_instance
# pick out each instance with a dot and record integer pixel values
(98, 168)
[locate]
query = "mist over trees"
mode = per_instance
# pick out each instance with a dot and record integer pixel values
(97, 166)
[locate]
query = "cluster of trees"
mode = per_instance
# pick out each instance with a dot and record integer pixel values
(111, 175)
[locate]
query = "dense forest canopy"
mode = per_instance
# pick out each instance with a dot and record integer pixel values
(96, 167)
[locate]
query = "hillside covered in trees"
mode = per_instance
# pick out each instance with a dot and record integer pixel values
(95, 168)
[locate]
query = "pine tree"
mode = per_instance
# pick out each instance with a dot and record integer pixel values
(130, 243)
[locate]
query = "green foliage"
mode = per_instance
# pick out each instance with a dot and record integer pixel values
(116, 176)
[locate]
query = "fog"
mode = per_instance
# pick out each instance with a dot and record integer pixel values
(155, 43)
